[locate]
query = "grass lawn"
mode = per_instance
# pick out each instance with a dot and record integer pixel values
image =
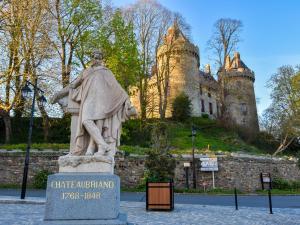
(209, 133)
(39, 146)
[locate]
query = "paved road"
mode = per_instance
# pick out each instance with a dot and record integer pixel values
(248, 201)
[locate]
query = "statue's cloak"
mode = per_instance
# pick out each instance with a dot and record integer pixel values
(100, 97)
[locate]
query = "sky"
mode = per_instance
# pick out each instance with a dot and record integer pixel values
(270, 36)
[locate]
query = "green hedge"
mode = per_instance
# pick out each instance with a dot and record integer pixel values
(59, 130)
(281, 184)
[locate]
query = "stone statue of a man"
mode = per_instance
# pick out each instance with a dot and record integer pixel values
(102, 107)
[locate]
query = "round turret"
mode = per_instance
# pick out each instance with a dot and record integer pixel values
(183, 64)
(239, 97)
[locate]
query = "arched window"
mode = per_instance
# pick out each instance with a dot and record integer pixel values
(202, 106)
(243, 108)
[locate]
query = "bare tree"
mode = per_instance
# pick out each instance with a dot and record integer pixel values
(224, 40)
(163, 72)
(151, 21)
(145, 15)
(26, 46)
(11, 79)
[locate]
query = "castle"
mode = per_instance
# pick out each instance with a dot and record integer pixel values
(232, 95)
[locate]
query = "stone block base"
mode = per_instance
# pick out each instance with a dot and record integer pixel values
(87, 198)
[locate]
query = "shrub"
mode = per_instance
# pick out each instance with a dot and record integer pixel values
(59, 130)
(279, 183)
(205, 116)
(160, 164)
(265, 141)
(295, 184)
(298, 161)
(136, 133)
(181, 108)
(40, 179)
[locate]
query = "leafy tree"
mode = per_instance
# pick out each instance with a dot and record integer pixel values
(117, 40)
(181, 107)
(75, 20)
(282, 118)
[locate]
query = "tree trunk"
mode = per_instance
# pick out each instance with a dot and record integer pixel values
(46, 123)
(7, 123)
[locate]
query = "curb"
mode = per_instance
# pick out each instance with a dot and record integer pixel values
(11, 200)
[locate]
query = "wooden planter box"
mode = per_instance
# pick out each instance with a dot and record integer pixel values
(160, 196)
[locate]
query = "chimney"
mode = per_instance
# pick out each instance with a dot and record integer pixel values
(237, 55)
(207, 69)
(227, 62)
(237, 59)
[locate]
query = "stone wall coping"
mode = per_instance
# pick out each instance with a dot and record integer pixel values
(263, 157)
(60, 152)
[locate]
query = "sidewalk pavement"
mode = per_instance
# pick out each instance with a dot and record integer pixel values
(14, 211)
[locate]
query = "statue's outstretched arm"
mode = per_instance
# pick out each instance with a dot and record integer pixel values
(59, 95)
(77, 82)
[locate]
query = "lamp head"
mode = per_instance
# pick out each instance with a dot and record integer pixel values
(26, 91)
(42, 100)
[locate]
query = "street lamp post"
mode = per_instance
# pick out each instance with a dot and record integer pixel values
(26, 93)
(194, 161)
(186, 166)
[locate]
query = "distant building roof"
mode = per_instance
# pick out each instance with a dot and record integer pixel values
(206, 78)
(175, 33)
(236, 63)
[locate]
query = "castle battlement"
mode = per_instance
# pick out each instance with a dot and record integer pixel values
(244, 74)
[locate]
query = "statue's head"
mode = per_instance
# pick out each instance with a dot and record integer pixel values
(97, 55)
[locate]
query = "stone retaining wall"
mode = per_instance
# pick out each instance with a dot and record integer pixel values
(235, 170)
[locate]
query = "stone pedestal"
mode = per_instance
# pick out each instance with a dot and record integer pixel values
(83, 198)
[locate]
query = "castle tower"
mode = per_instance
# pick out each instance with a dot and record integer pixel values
(183, 66)
(239, 102)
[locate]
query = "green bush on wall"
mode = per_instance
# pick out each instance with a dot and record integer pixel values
(40, 179)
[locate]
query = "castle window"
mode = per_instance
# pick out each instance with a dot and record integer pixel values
(210, 108)
(209, 94)
(243, 121)
(177, 60)
(200, 89)
(244, 109)
(202, 106)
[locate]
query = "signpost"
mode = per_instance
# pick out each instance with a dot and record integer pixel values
(210, 163)
(265, 179)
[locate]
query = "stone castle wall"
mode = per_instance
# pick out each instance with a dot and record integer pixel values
(241, 171)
